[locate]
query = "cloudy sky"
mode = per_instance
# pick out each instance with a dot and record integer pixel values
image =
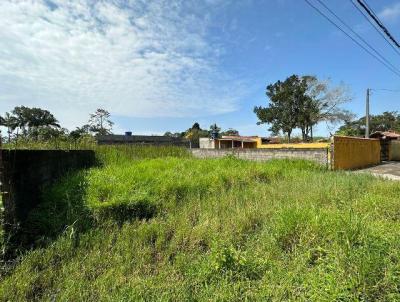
(164, 64)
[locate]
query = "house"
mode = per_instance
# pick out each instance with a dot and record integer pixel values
(229, 142)
(255, 142)
(385, 135)
(386, 138)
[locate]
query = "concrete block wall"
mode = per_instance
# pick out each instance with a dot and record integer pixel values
(25, 172)
(318, 155)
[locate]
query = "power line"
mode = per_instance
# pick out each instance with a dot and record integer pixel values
(375, 27)
(377, 21)
(354, 40)
(384, 89)
(360, 37)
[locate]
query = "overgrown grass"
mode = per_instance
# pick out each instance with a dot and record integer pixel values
(181, 229)
(119, 154)
(51, 144)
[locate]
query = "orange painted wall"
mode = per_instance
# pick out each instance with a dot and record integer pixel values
(352, 152)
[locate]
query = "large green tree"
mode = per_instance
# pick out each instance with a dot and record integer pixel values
(302, 102)
(32, 121)
(282, 112)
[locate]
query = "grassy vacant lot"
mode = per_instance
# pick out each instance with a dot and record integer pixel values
(180, 229)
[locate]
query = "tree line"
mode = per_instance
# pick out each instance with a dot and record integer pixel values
(38, 124)
(380, 122)
(195, 132)
(298, 102)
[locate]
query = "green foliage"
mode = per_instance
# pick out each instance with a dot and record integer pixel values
(283, 110)
(230, 132)
(302, 102)
(31, 123)
(222, 230)
(194, 133)
(381, 122)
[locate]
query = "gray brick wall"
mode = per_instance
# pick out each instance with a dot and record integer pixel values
(318, 155)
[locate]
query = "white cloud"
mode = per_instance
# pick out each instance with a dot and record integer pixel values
(135, 58)
(390, 13)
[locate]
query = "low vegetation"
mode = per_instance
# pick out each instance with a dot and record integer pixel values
(172, 228)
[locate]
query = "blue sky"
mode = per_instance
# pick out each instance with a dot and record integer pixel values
(162, 65)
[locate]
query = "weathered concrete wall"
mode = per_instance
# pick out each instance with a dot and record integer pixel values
(318, 155)
(25, 172)
(394, 150)
(353, 152)
(206, 143)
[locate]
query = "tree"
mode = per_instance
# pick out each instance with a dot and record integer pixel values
(302, 102)
(100, 122)
(79, 132)
(230, 132)
(214, 131)
(324, 103)
(49, 133)
(283, 110)
(196, 126)
(175, 134)
(10, 122)
(21, 114)
(32, 120)
(381, 122)
(194, 133)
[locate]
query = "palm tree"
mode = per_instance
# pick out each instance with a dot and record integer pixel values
(37, 117)
(10, 122)
(21, 114)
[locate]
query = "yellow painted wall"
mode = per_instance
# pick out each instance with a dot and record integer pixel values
(296, 146)
(394, 150)
(352, 153)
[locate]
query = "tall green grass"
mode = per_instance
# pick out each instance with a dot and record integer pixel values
(117, 154)
(182, 229)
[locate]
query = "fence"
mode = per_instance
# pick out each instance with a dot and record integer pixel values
(352, 152)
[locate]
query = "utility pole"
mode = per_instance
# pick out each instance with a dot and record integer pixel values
(367, 114)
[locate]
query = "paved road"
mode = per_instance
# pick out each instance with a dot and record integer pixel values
(390, 170)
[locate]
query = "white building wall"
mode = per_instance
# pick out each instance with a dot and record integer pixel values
(206, 143)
